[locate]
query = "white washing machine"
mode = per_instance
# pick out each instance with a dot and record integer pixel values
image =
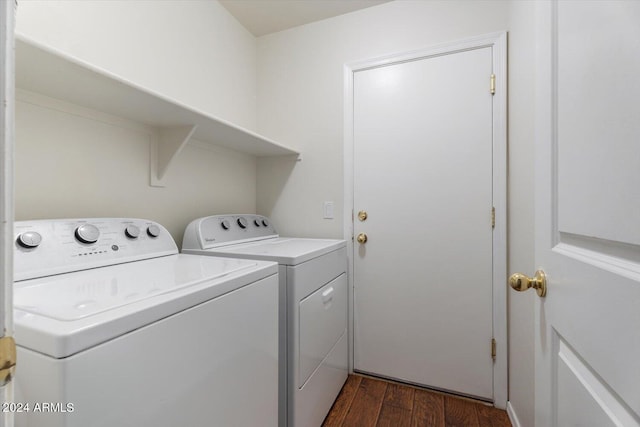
(313, 306)
(115, 328)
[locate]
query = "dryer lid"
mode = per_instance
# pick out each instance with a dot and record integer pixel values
(284, 250)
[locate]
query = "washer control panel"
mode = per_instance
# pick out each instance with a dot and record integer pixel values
(221, 230)
(47, 247)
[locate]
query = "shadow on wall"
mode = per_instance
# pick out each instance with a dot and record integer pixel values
(272, 176)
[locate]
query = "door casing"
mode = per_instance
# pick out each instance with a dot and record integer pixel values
(498, 43)
(7, 145)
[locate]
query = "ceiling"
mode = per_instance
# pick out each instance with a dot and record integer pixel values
(262, 17)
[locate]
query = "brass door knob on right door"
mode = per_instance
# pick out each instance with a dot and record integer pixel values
(521, 282)
(362, 238)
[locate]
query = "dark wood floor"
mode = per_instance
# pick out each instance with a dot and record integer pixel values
(364, 402)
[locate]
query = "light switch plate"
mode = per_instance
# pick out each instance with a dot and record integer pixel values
(327, 210)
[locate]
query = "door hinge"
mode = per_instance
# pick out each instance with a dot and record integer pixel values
(492, 84)
(7, 359)
(493, 217)
(493, 348)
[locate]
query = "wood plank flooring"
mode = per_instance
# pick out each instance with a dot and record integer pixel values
(368, 402)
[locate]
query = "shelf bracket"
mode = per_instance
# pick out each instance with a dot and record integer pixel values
(165, 149)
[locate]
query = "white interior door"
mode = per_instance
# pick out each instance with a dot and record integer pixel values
(422, 132)
(588, 211)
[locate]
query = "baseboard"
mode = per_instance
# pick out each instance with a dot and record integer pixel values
(515, 422)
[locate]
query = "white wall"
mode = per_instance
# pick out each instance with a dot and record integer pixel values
(77, 163)
(300, 101)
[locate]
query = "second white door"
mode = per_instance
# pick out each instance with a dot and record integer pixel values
(423, 174)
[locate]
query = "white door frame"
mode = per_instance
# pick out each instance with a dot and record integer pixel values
(498, 42)
(7, 138)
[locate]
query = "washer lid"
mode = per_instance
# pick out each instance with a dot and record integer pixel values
(64, 314)
(286, 251)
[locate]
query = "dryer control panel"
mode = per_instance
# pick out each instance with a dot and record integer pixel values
(220, 230)
(48, 247)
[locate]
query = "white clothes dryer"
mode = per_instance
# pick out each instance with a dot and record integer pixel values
(313, 306)
(115, 328)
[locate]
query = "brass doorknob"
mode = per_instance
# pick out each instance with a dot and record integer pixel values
(521, 282)
(362, 238)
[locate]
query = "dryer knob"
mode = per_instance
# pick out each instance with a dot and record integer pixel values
(29, 239)
(257, 222)
(153, 230)
(87, 233)
(265, 222)
(242, 222)
(225, 224)
(132, 231)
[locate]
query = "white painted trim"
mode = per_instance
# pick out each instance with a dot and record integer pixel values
(513, 417)
(498, 42)
(500, 372)
(7, 144)
(348, 200)
(485, 40)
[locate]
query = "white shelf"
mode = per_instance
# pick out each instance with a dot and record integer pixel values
(43, 70)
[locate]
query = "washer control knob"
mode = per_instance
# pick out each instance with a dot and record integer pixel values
(257, 222)
(87, 233)
(29, 239)
(242, 222)
(132, 231)
(265, 222)
(153, 230)
(225, 224)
